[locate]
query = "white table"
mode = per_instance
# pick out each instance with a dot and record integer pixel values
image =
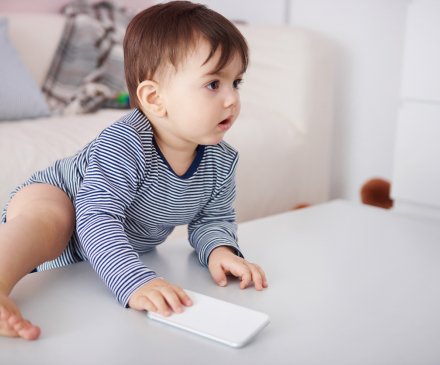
(348, 284)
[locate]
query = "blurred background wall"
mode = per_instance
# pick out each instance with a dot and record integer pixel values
(368, 36)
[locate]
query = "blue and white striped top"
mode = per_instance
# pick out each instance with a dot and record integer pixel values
(128, 200)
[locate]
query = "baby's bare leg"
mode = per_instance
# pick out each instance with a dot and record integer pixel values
(39, 223)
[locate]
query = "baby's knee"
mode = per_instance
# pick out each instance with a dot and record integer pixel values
(59, 215)
(54, 222)
(41, 197)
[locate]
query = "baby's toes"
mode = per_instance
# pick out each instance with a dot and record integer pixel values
(4, 314)
(12, 325)
(16, 323)
(14, 319)
(26, 330)
(5, 328)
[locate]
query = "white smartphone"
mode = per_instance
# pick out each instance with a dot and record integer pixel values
(217, 320)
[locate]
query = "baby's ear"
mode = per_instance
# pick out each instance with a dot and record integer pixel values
(148, 95)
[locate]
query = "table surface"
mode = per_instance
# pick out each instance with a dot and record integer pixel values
(348, 284)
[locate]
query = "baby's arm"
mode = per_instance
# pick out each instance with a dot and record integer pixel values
(115, 170)
(213, 233)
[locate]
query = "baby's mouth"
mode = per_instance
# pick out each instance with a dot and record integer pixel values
(225, 123)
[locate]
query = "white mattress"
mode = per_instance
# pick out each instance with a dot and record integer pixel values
(30, 145)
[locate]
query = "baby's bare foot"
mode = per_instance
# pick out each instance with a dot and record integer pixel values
(12, 323)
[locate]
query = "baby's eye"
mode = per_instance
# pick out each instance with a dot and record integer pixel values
(213, 83)
(238, 82)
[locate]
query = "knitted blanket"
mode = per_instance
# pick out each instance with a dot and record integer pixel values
(88, 68)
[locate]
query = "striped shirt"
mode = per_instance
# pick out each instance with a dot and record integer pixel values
(128, 200)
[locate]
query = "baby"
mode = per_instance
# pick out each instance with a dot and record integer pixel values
(162, 165)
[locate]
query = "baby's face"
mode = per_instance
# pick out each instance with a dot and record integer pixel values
(197, 103)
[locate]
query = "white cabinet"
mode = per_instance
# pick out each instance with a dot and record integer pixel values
(421, 64)
(416, 177)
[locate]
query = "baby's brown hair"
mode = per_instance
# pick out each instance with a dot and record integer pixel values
(164, 33)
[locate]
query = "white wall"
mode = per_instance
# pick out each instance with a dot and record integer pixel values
(252, 11)
(369, 39)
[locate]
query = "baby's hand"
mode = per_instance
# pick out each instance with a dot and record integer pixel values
(223, 260)
(154, 296)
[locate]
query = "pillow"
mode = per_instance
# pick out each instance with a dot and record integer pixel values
(88, 67)
(20, 95)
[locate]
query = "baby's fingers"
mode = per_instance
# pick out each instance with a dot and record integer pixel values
(158, 300)
(263, 275)
(245, 274)
(184, 298)
(143, 303)
(218, 274)
(256, 277)
(254, 273)
(245, 280)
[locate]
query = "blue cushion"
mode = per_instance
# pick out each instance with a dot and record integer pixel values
(20, 95)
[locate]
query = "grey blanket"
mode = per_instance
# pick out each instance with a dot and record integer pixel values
(88, 67)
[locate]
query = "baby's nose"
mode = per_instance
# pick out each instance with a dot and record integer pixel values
(232, 98)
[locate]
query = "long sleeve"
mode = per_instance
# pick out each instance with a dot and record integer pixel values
(115, 170)
(215, 225)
